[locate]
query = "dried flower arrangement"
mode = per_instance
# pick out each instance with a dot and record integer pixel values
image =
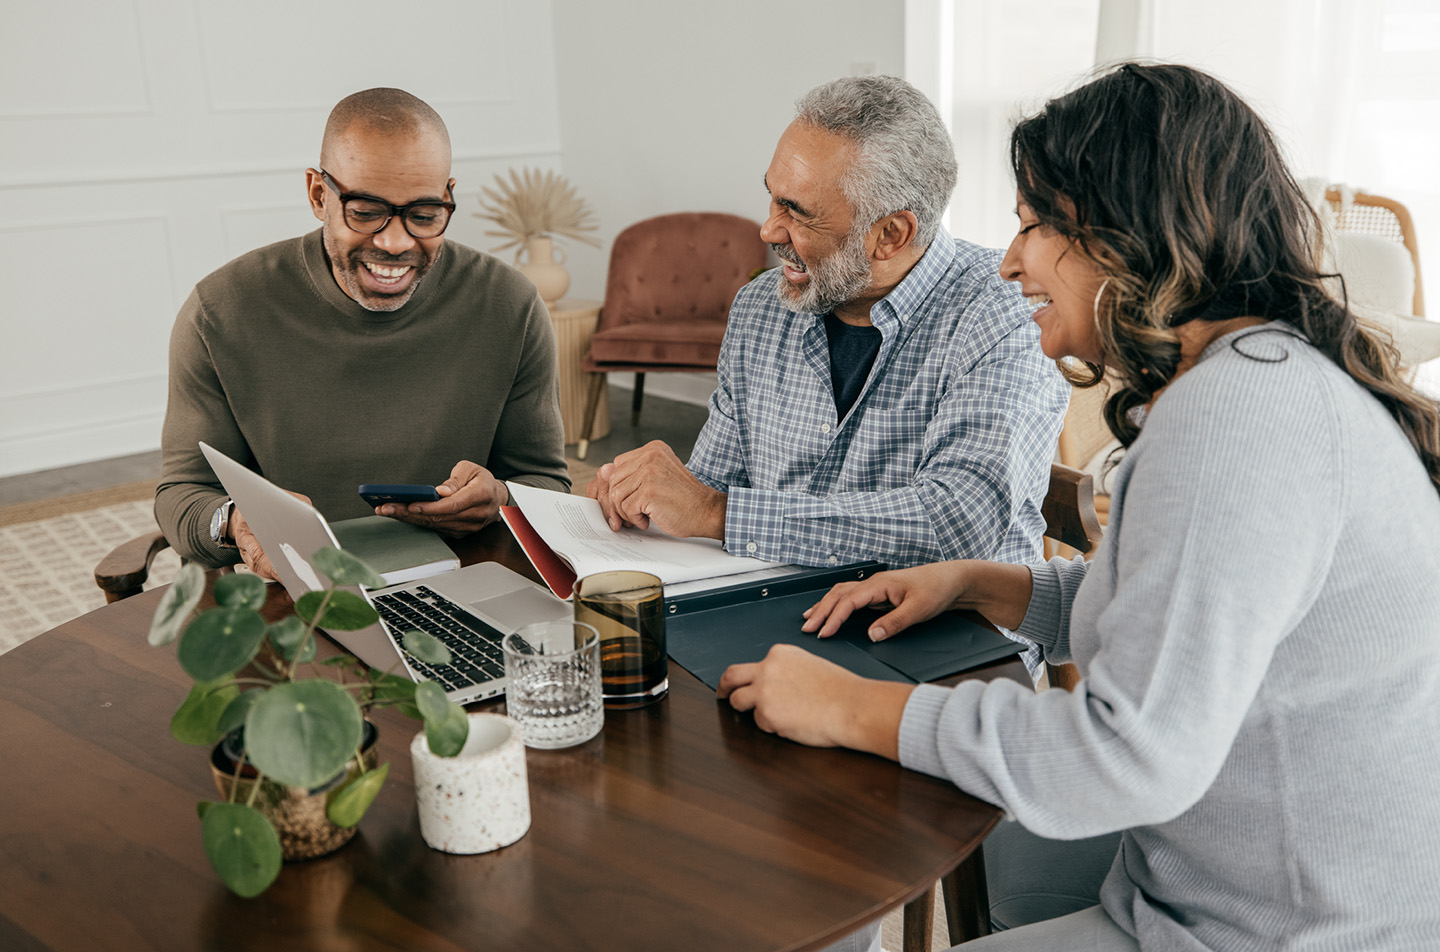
(536, 204)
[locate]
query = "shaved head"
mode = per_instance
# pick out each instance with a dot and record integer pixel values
(390, 112)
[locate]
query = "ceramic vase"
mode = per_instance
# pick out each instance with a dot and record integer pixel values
(538, 262)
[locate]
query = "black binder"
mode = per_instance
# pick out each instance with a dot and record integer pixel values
(706, 632)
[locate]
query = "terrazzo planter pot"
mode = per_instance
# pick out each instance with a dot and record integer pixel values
(478, 800)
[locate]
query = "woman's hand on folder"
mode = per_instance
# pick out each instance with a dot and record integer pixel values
(912, 595)
(999, 591)
(469, 501)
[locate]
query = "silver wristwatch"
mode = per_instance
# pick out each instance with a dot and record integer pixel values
(219, 522)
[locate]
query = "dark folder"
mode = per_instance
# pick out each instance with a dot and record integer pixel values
(708, 631)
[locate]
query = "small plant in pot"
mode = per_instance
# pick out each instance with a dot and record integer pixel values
(294, 739)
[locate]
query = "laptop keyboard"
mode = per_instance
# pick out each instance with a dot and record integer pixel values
(474, 645)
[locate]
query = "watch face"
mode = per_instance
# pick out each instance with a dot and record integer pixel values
(218, 518)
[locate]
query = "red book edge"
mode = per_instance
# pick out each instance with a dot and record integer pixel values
(558, 575)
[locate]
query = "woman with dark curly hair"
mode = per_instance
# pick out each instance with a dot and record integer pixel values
(1249, 760)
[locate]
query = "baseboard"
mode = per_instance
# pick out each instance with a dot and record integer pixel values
(74, 445)
(694, 389)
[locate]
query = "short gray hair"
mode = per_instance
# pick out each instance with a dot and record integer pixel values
(905, 159)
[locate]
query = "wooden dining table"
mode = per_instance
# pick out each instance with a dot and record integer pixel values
(682, 826)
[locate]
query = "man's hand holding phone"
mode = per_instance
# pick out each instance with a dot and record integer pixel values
(378, 494)
(466, 502)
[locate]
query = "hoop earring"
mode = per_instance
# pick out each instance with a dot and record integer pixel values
(1095, 308)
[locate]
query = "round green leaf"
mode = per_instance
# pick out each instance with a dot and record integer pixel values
(242, 847)
(176, 604)
(240, 590)
(287, 634)
(426, 647)
(236, 711)
(446, 725)
(198, 719)
(430, 698)
(394, 689)
(301, 733)
(346, 611)
(344, 569)
(347, 803)
(220, 641)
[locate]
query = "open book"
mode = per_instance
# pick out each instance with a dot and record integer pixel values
(566, 537)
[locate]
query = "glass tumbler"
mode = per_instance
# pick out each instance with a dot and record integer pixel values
(626, 608)
(552, 669)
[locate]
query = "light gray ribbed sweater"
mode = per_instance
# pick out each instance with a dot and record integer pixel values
(1259, 635)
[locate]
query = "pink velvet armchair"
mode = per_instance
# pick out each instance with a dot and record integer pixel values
(667, 297)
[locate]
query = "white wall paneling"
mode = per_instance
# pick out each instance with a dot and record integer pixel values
(72, 42)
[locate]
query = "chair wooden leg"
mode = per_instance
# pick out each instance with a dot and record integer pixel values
(592, 403)
(636, 398)
(919, 919)
(967, 903)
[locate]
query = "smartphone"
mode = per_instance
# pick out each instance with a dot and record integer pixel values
(377, 494)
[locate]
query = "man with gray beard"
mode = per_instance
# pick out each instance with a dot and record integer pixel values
(372, 350)
(882, 394)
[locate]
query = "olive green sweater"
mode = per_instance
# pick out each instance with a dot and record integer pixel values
(275, 366)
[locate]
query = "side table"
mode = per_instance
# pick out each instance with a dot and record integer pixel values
(575, 321)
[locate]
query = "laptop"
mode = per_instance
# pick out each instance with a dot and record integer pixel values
(470, 608)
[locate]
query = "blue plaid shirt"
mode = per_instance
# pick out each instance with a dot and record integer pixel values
(945, 455)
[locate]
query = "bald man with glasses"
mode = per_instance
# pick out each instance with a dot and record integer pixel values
(372, 350)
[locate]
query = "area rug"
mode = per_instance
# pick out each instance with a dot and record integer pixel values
(48, 552)
(47, 566)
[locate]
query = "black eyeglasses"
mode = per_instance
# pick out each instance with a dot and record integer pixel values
(368, 215)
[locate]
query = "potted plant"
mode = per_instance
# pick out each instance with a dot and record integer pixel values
(530, 211)
(302, 731)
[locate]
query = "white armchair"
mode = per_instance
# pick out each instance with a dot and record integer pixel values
(1370, 241)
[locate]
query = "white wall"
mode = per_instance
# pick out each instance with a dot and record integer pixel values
(670, 107)
(142, 145)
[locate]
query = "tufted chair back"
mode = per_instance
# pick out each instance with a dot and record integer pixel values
(667, 298)
(671, 282)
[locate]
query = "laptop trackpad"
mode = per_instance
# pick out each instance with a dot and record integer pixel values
(514, 610)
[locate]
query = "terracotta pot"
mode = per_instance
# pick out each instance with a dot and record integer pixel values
(549, 275)
(297, 814)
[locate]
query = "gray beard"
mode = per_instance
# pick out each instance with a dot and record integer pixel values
(834, 281)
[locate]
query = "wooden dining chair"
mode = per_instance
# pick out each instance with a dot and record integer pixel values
(1083, 438)
(124, 569)
(1069, 510)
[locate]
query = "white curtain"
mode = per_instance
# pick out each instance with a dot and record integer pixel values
(1350, 87)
